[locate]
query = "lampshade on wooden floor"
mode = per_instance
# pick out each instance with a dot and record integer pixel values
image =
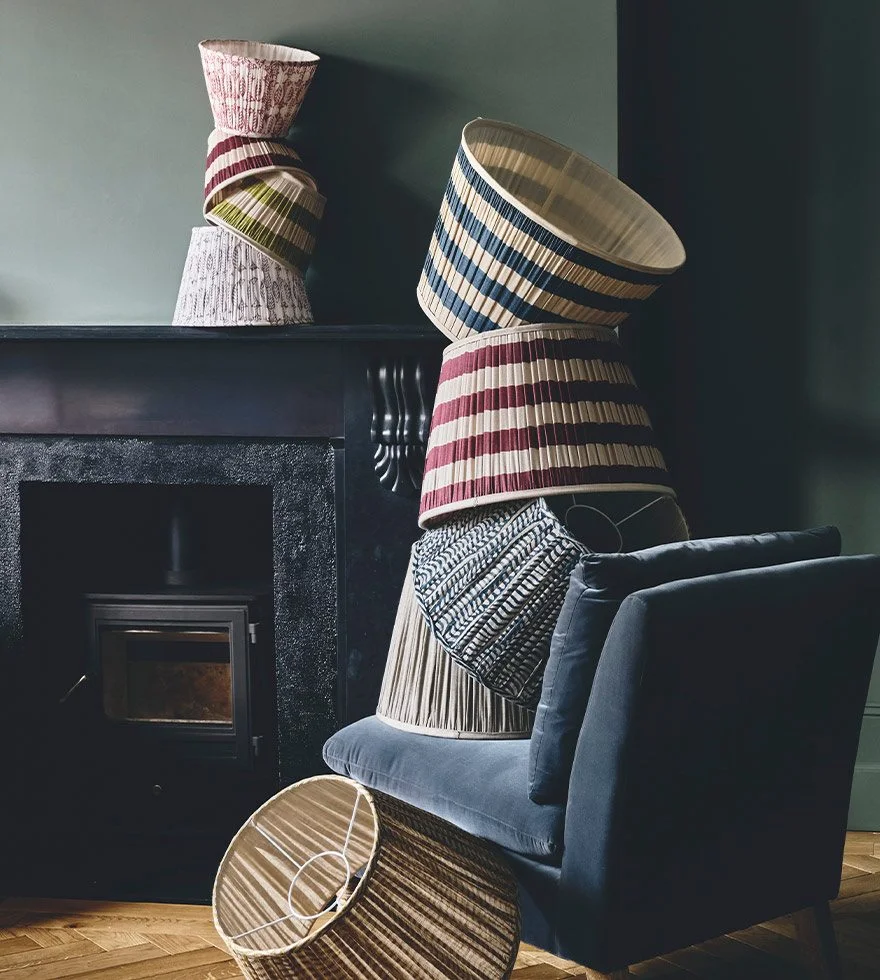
(330, 881)
(424, 691)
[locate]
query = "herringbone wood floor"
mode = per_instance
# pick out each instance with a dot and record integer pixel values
(52, 939)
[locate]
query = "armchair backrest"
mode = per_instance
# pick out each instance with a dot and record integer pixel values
(713, 770)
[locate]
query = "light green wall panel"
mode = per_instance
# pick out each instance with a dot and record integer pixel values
(104, 117)
(842, 377)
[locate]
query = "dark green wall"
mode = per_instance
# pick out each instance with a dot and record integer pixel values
(755, 127)
(104, 119)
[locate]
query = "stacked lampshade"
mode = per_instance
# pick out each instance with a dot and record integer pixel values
(530, 231)
(536, 256)
(263, 206)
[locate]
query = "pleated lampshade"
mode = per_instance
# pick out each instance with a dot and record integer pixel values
(275, 212)
(231, 160)
(228, 283)
(424, 691)
(533, 411)
(256, 89)
(530, 231)
(331, 881)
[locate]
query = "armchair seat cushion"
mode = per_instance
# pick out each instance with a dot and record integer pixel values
(480, 786)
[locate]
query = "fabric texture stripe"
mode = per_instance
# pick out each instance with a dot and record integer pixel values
(499, 256)
(536, 410)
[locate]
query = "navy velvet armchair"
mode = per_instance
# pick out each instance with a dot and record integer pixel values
(711, 778)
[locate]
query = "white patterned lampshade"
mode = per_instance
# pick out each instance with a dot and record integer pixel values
(228, 283)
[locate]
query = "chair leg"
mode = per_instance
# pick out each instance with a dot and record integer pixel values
(815, 931)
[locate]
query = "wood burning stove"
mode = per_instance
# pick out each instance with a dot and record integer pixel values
(181, 671)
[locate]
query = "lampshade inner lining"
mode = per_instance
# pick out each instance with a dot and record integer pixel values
(576, 196)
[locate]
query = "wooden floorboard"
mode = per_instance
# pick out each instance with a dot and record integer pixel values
(55, 939)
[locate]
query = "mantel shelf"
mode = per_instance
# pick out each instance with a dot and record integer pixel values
(165, 334)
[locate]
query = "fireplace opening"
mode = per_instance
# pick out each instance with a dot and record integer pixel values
(149, 669)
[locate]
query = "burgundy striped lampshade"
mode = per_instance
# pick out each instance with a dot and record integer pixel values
(232, 160)
(537, 410)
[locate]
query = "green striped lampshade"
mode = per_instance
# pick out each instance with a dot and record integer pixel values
(276, 213)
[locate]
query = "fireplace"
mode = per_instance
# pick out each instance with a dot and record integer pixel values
(134, 754)
(184, 672)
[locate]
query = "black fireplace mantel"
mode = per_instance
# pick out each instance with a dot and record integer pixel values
(367, 390)
(164, 333)
(289, 382)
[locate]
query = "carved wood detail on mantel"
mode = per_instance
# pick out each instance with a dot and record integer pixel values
(403, 398)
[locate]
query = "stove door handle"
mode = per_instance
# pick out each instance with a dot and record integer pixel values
(74, 689)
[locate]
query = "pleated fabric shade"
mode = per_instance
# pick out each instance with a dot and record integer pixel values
(534, 411)
(275, 212)
(228, 283)
(234, 159)
(424, 691)
(255, 89)
(530, 231)
(331, 881)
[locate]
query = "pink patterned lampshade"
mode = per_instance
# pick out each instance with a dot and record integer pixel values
(256, 89)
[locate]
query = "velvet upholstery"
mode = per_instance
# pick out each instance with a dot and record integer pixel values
(480, 786)
(712, 774)
(713, 770)
(597, 587)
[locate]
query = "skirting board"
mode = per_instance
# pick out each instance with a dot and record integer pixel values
(864, 808)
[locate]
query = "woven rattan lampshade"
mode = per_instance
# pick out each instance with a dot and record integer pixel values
(410, 896)
(530, 231)
(424, 691)
(227, 283)
(534, 411)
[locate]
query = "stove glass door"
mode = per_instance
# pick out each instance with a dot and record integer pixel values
(167, 674)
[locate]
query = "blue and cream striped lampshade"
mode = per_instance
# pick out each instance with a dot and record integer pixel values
(530, 231)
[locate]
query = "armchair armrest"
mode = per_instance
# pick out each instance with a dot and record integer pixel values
(712, 775)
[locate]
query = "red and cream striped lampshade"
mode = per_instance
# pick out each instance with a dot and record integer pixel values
(234, 160)
(537, 410)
